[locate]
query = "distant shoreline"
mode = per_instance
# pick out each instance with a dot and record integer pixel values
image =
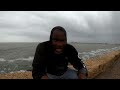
(68, 42)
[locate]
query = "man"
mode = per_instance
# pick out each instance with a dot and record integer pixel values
(52, 58)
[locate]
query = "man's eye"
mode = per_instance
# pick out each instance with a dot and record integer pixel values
(62, 40)
(55, 40)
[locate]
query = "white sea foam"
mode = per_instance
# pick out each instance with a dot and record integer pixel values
(98, 52)
(2, 71)
(22, 59)
(25, 59)
(18, 71)
(22, 71)
(2, 59)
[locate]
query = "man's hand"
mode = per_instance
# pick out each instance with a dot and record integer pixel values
(82, 76)
(45, 77)
(83, 73)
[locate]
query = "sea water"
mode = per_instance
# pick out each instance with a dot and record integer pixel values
(19, 56)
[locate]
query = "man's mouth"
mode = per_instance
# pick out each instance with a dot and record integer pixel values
(58, 50)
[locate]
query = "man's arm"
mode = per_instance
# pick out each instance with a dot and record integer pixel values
(77, 63)
(39, 62)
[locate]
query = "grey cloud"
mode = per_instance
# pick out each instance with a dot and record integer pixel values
(80, 26)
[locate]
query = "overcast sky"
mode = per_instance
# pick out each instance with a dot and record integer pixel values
(81, 26)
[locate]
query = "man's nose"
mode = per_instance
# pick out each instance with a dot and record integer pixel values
(59, 43)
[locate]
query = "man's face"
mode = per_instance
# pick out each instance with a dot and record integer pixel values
(58, 41)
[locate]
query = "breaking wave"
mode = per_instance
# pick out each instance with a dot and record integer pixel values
(83, 55)
(30, 58)
(98, 52)
(19, 64)
(22, 64)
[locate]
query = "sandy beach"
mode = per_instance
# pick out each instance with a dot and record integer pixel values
(112, 72)
(101, 64)
(17, 75)
(95, 67)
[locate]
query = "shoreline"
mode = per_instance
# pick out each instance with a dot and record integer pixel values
(95, 67)
(99, 65)
(17, 75)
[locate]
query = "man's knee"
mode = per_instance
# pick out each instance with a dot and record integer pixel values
(71, 74)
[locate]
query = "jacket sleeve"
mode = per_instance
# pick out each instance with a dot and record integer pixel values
(76, 61)
(39, 62)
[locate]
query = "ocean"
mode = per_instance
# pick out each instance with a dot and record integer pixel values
(19, 56)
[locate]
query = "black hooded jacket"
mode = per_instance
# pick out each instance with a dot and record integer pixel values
(45, 61)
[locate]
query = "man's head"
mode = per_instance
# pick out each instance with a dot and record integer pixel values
(58, 38)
